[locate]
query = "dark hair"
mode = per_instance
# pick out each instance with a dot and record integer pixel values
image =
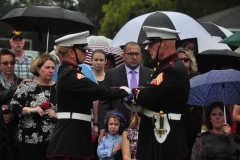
(99, 51)
(186, 43)
(5, 51)
(117, 115)
(111, 57)
(39, 62)
(130, 44)
(209, 109)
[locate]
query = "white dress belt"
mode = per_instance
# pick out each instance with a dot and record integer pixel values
(78, 116)
(171, 116)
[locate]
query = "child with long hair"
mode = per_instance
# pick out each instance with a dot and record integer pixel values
(130, 138)
(114, 124)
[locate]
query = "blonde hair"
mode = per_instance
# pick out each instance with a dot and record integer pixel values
(133, 121)
(39, 62)
(61, 50)
(193, 64)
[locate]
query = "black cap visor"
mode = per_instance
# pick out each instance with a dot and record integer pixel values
(81, 46)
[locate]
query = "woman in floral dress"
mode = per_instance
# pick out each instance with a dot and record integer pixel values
(35, 103)
(130, 138)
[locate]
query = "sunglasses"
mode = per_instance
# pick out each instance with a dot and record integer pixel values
(12, 63)
(184, 59)
(131, 54)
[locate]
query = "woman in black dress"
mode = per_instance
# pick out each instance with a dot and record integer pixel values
(218, 142)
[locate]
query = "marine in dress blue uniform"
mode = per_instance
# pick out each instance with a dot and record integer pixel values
(168, 92)
(71, 137)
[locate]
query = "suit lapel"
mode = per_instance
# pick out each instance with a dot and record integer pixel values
(142, 76)
(123, 76)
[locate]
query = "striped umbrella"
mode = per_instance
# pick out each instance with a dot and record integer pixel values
(216, 30)
(115, 51)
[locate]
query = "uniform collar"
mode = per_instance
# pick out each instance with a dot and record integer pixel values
(166, 61)
(71, 65)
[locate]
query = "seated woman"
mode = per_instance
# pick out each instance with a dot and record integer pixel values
(218, 142)
(35, 103)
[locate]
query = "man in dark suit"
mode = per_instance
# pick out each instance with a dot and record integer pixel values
(121, 76)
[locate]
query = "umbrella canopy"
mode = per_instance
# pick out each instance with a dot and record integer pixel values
(207, 43)
(237, 50)
(99, 40)
(234, 39)
(217, 59)
(45, 19)
(216, 30)
(216, 85)
(115, 51)
(132, 30)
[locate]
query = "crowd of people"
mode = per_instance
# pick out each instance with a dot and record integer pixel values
(139, 112)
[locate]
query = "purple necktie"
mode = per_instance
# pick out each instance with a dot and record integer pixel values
(133, 82)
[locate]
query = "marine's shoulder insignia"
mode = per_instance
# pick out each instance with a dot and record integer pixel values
(79, 76)
(157, 81)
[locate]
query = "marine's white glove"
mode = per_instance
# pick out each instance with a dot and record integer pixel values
(128, 90)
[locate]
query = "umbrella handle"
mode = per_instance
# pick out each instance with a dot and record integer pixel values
(47, 40)
(223, 86)
(225, 121)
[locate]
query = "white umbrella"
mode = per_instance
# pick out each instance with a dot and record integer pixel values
(132, 30)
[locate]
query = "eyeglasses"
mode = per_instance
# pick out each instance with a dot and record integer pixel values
(131, 54)
(185, 59)
(12, 63)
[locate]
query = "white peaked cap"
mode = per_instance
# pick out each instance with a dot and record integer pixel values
(157, 33)
(78, 40)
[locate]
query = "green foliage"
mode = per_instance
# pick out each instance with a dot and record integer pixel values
(118, 12)
(200, 8)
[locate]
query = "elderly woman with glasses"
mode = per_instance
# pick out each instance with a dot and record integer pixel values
(192, 117)
(8, 85)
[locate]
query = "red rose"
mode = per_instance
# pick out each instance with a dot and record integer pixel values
(45, 105)
(93, 139)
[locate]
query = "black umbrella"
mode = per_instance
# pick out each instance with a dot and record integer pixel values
(45, 19)
(218, 59)
(216, 30)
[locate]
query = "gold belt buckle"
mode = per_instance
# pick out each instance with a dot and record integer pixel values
(161, 122)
